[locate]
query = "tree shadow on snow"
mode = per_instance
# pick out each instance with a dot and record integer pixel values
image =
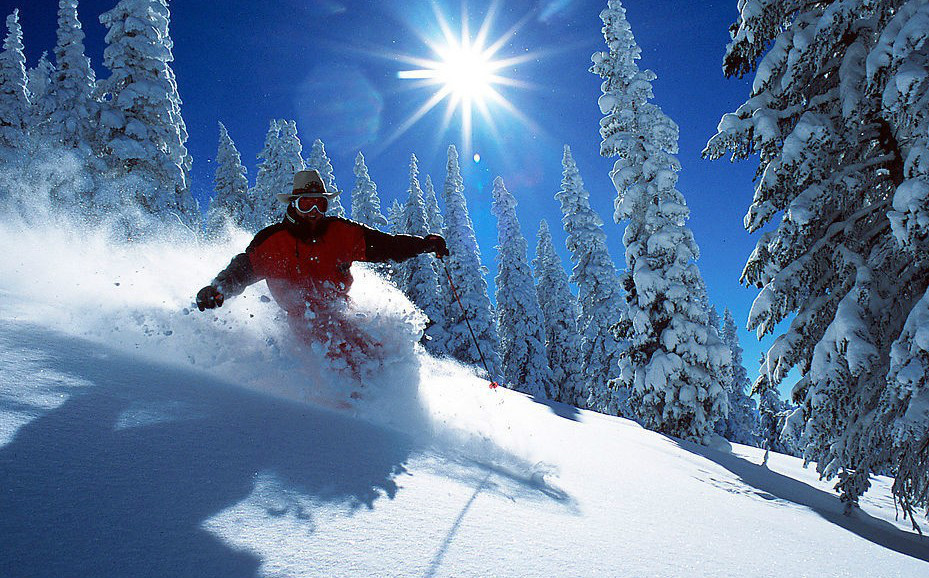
(772, 485)
(119, 479)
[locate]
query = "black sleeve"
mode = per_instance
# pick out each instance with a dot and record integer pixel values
(236, 276)
(239, 274)
(380, 246)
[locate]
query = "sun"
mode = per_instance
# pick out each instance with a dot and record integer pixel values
(467, 73)
(462, 71)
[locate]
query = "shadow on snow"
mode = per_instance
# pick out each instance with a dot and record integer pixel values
(81, 496)
(772, 485)
(86, 491)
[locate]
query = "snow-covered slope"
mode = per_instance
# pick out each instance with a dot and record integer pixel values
(140, 438)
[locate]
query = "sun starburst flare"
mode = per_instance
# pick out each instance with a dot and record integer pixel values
(465, 72)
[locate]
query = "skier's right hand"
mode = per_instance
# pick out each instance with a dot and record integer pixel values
(436, 244)
(209, 298)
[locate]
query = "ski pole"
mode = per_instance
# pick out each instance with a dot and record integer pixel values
(451, 284)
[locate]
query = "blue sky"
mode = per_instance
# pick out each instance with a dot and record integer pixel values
(331, 66)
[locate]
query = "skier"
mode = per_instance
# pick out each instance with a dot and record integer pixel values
(306, 261)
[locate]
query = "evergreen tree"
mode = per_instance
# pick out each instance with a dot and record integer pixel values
(436, 224)
(280, 160)
(742, 423)
(771, 411)
(290, 162)
(366, 205)
(599, 295)
(142, 130)
(39, 88)
(837, 117)
(520, 323)
(560, 311)
(395, 223)
(434, 221)
(419, 281)
(14, 100)
(712, 317)
(395, 218)
(320, 161)
(675, 366)
(906, 409)
(231, 204)
(75, 108)
(266, 181)
(467, 273)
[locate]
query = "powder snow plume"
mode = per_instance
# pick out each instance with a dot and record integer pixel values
(138, 296)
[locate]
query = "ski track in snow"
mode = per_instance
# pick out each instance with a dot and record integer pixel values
(141, 437)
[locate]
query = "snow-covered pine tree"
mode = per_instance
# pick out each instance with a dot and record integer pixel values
(280, 160)
(713, 318)
(366, 208)
(467, 273)
(366, 205)
(14, 100)
(770, 411)
(599, 294)
(75, 108)
(906, 408)
(231, 203)
(436, 224)
(395, 218)
(39, 88)
(434, 220)
(419, 281)
(395, 226)
(268, 177)
(143, 134)
(741, 426)
(290, 162)
(560, 311)
(675, 365)
(520, 323)
(319, 160)
(837, 115)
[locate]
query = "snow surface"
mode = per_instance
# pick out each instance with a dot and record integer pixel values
(140, 438)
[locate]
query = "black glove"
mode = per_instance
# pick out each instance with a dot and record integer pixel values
(436, 244)
(209, 298)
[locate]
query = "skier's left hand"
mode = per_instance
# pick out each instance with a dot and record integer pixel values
(436, 244)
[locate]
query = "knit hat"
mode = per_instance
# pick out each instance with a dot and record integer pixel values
(308, 184)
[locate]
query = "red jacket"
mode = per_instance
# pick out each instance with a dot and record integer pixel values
(308, 265)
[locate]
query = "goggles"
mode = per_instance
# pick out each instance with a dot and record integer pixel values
(306, 205)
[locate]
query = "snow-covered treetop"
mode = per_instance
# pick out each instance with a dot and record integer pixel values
(624, 85)
(74, 80)
(414, 212)
(366, 205)
(231, 200)
(39, 82)
(586, 239)
(464, 266)
(395, 217)
(142, 120)
(433, 214)
(560, 310)
(319, 160)
(520, 323)
(14, 99)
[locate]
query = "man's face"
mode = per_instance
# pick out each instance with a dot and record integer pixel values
(311, 208)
